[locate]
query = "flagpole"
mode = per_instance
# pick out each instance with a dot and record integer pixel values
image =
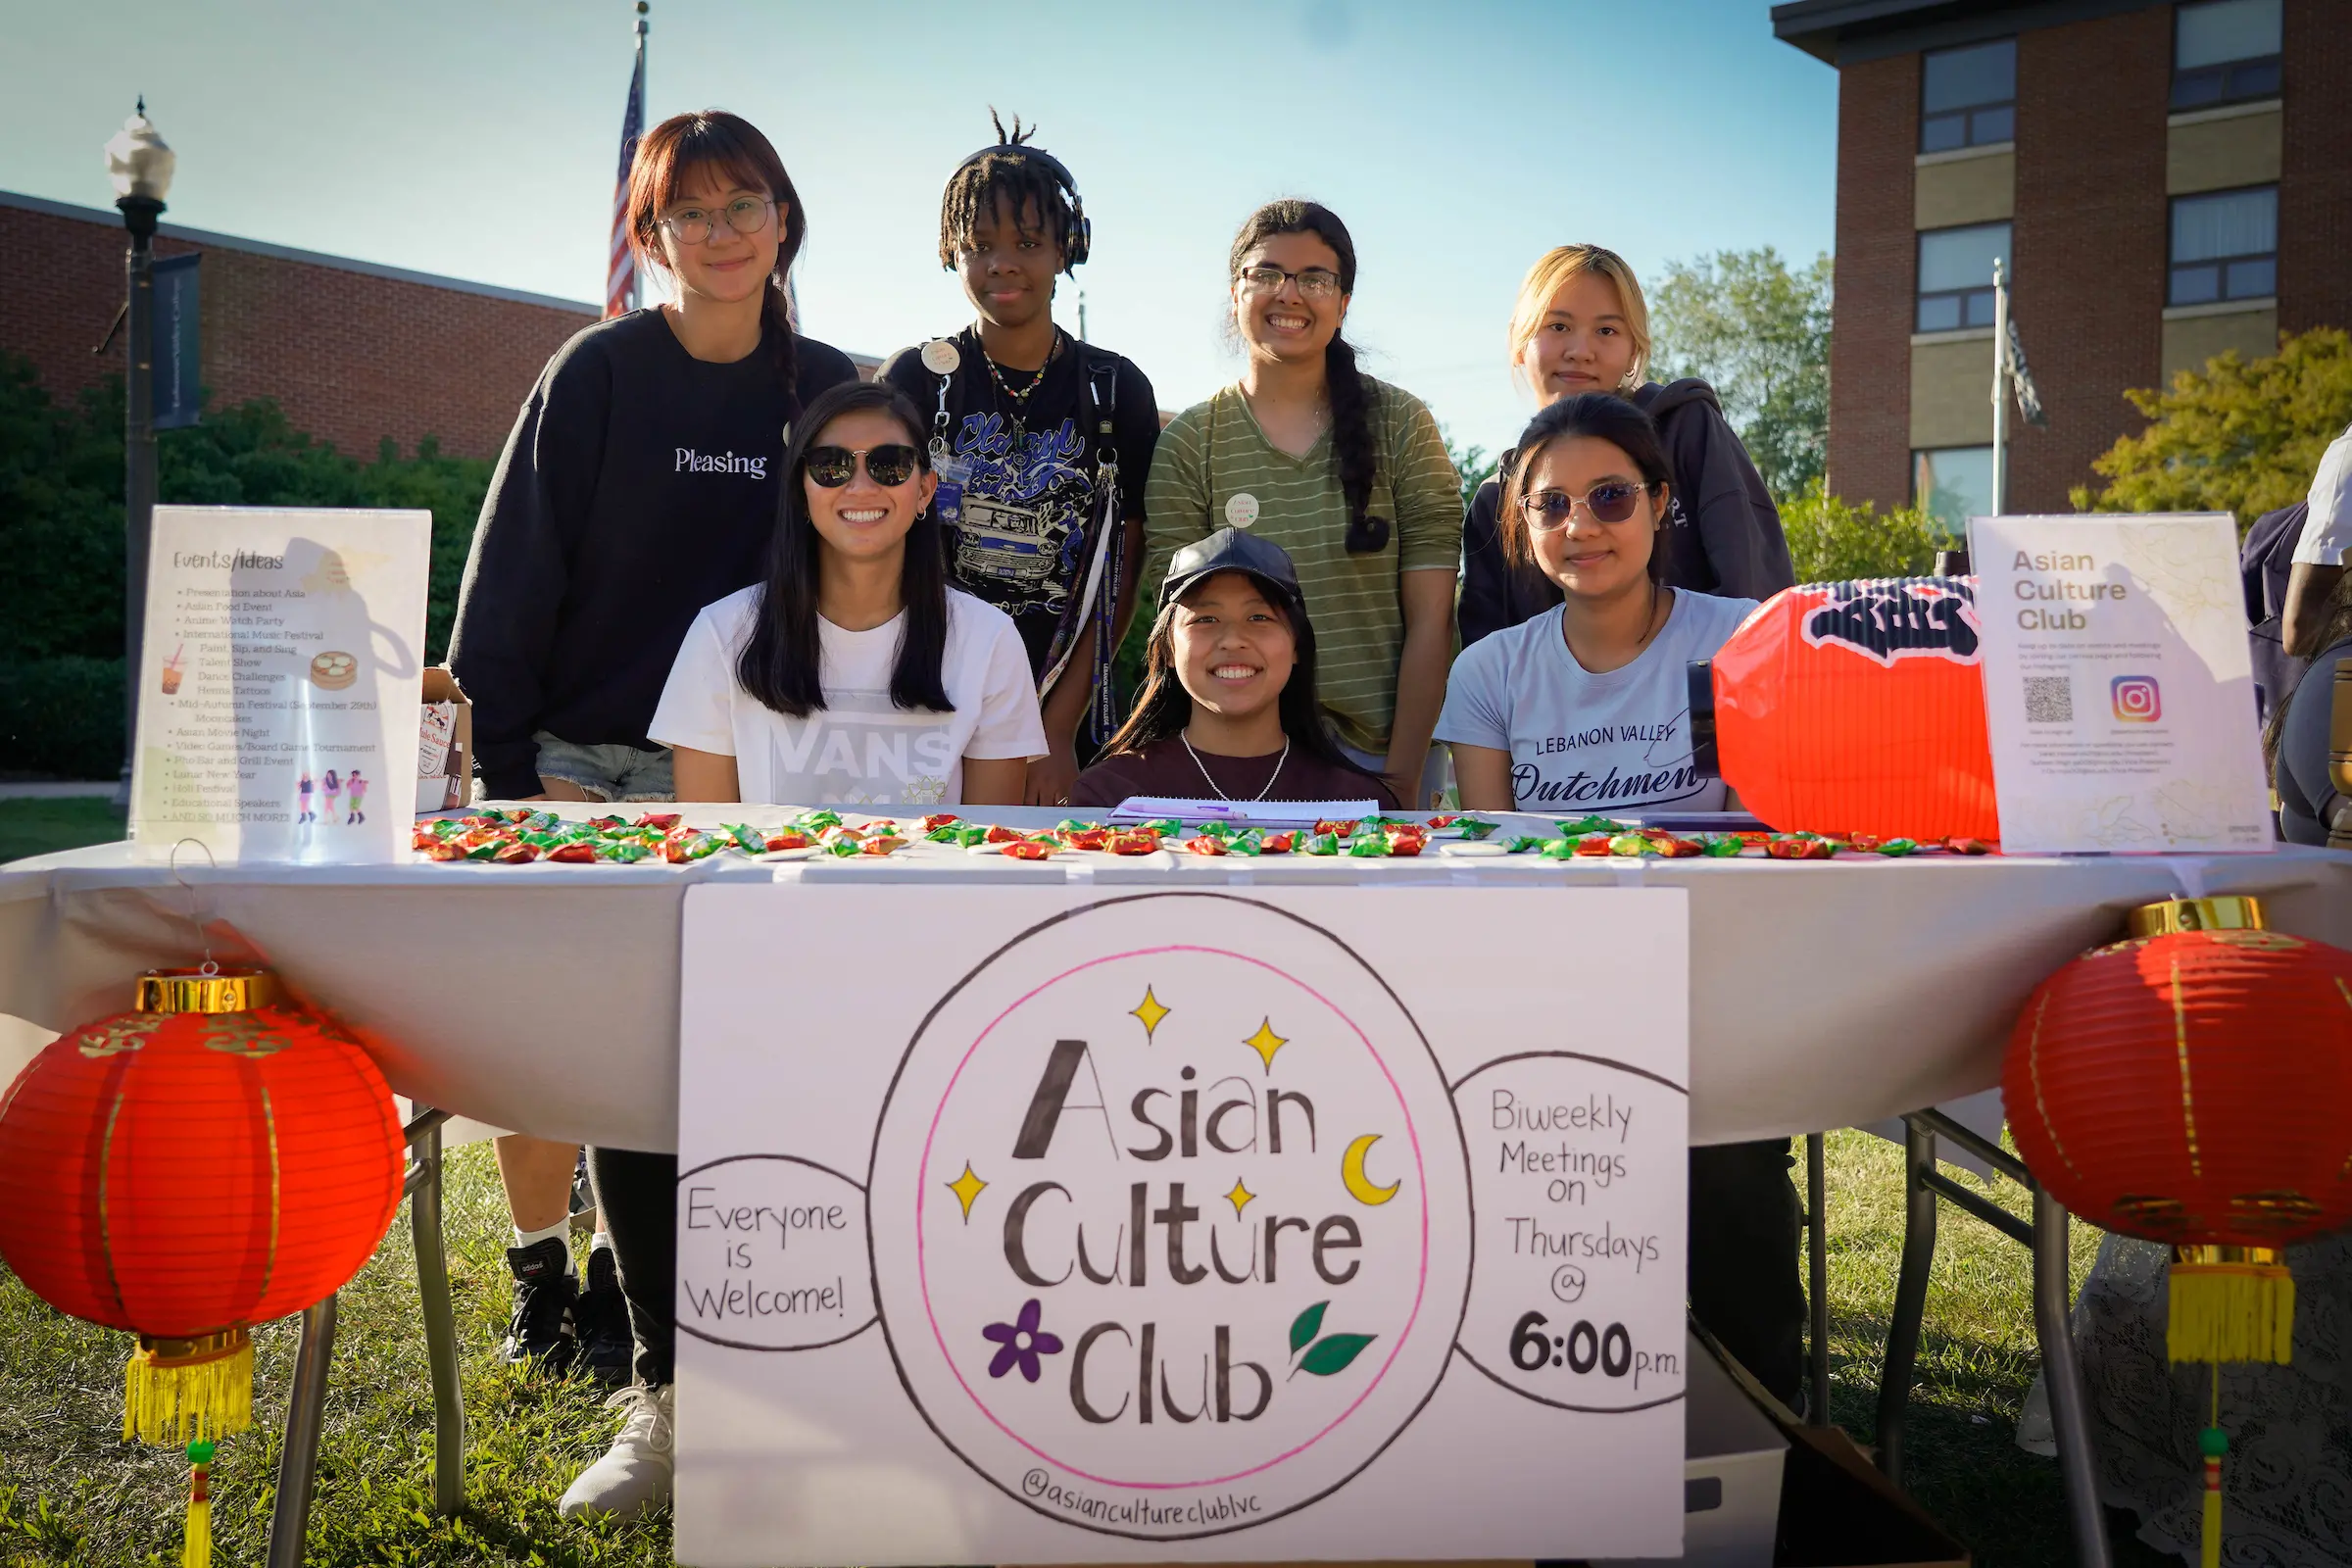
(637, 275)
(2000, 389)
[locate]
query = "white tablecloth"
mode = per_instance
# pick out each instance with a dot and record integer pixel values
(545, 997)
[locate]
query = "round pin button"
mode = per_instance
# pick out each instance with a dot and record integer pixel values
(1242, 510)
(940, 357)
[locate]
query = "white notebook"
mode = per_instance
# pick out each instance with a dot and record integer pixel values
(1241, 814)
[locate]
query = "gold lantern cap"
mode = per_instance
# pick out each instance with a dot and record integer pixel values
(2233, 912)
(211, 989)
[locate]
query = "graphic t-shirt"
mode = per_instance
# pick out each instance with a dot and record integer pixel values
(859, 749)
(1016, 511)
(1167, 770)
(1581, 742)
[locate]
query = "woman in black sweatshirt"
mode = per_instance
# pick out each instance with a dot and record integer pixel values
(1581, 325)
(639, 485)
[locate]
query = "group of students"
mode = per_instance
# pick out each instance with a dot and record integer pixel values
(715, 566)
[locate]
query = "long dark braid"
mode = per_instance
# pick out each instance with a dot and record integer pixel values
(1003, 175)
(1354, 452)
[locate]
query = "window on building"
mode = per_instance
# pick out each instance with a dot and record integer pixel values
(2225, 52)
(1968, 97)
(1952, 484)
(2224, 246)
(1955, 275)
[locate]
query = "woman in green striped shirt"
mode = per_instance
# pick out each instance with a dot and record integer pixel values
(1347, 474)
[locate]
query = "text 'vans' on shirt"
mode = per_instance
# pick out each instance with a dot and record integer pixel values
(859, 749)
(1016, 511)
(1581, 742)
(1214, 451)
(640, 484)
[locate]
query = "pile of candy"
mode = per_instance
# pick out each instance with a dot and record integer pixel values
(521, 835)
(1607, 836)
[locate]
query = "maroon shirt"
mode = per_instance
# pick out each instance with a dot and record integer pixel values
(1165, 768)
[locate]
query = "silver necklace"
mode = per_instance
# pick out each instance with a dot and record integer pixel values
(1219, 787)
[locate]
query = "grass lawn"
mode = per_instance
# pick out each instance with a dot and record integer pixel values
(43, 827)
(73, 1493)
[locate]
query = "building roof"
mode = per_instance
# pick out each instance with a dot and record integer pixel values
(1844, 31)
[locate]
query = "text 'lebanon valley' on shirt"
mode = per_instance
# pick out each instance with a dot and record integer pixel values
(859, 749)
(1016, 512)
(639, 485)
(1581, 742)
(1214, 451)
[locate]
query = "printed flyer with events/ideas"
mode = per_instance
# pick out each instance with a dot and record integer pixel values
(1256, 1225)
(281, 668)
(2119, 685)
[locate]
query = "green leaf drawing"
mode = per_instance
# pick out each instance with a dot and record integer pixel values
(1334, 1354)
(1306, 1326)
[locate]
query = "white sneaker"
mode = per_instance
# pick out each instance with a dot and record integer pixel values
(635, 1472)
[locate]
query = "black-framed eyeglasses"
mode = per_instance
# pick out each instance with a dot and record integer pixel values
(1314, 282)
(1549, 511)
(831, 468)
(693, 225)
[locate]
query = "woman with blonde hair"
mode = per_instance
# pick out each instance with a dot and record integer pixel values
(1581, 324)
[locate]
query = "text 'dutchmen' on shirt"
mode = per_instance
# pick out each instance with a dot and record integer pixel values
(1585, 743)
(1215, 451)
(859, 749)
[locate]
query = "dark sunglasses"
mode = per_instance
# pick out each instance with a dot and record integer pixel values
(834, 467)
(1550, 510)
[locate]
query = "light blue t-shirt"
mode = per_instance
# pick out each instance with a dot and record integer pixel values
(1587, 743)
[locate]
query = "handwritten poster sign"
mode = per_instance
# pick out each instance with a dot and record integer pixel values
(1263, 1225)
(2119, 687)
(278, 682)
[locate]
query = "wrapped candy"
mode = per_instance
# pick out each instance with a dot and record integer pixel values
(1967, 846)
(516, 853)
(1206, 844)
(1800, 846)
(787, 839)
(1369, 847)
(1407, 841)
(1671, 847)
(1583, 825)
(1088, 838)
(577, 853)
(1282, 843)
(1323, 844)
(1721, 845)
(1336, 830)
(1028, 850)
(1897, 847)
(939, 819)
(661, 821)
(880, 844)
(625, 851)
(445, 851)
(1475, 828)
(1140, 843)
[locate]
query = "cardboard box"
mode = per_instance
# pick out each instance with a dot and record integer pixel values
(1733, 1456)
(444, 743)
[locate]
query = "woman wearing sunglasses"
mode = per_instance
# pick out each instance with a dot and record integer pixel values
(1347, 475)
(638, 485)
(1585, 709)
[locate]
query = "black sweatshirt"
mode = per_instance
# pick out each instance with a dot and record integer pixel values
(1723, 533)
(640, 484)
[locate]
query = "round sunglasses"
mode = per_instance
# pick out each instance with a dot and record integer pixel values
(1549, 510)
(831, 468)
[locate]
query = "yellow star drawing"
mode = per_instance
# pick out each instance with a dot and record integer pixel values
(1149, 1011)
(1265, 1042)
(1239, 1198)
(966, 1188)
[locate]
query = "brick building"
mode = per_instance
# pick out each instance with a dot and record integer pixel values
(2163, 181)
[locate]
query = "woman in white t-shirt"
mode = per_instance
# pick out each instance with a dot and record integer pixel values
(854, 674)
(1586, 709)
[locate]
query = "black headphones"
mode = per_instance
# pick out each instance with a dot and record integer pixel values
(1081, 231)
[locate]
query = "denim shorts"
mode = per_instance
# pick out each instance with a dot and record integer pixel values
(610, 773)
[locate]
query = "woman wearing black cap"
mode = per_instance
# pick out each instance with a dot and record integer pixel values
(1227, 710)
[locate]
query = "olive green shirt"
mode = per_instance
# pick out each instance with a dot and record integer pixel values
(1214, 451)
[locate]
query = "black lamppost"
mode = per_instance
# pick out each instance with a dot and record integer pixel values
(140, 165)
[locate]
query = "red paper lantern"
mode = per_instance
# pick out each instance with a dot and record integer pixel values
(1855, 707)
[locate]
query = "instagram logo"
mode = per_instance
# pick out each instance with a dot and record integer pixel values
(2136, 699)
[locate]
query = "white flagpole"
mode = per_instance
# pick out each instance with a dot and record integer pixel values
(637, 273)
(2000, 389)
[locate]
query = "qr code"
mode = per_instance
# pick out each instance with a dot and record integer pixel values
(2049, 700)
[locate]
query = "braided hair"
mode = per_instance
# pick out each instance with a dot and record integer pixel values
(1004, 174)
(1353, 450)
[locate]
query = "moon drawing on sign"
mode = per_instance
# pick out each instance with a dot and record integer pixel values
(1352, 1172)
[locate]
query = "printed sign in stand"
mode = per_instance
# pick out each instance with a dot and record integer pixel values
(2119, 687)
(1215, 1226)
(278, 684)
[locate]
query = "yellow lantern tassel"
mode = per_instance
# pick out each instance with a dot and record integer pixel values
(196, 1551)
(175, 1389)
(2229, 1304)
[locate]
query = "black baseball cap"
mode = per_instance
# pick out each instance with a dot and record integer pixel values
(1232, 549)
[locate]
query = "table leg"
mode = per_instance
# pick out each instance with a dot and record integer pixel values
(306, 1411)
(1817, 1283)
(1910, 1296)
(2070, 1406)
(440, 1323)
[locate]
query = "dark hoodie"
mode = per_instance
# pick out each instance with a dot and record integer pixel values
(1723, 533)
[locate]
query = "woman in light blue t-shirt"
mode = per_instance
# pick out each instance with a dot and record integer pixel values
(1586, 709)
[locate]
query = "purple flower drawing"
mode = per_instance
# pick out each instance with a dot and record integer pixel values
(1021, 1342)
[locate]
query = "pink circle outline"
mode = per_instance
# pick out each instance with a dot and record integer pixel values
(923, 1184)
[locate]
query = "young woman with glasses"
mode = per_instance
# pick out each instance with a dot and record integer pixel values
(1585, 709)
(1581, 325)
(639, 484)
(1347, 475)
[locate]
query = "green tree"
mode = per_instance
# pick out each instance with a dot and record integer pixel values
(1830, 541)
(2239, 436)
(1757, 331)
(1474, 464)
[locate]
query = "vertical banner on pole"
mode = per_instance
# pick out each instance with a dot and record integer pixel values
(178, 342)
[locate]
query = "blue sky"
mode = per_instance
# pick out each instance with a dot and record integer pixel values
(1458, 139)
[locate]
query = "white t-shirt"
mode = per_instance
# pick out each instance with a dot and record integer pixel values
(1582, 743)
(858, 748)
(2327, 529)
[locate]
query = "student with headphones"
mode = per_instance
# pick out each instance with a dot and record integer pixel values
(1042, 443)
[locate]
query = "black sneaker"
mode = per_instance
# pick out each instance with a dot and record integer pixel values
(602, 1319)
(545, 1288)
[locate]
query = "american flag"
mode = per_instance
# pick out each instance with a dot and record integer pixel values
(620, 271)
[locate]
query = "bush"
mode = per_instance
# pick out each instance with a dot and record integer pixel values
(61, 717)
(1830, 541)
